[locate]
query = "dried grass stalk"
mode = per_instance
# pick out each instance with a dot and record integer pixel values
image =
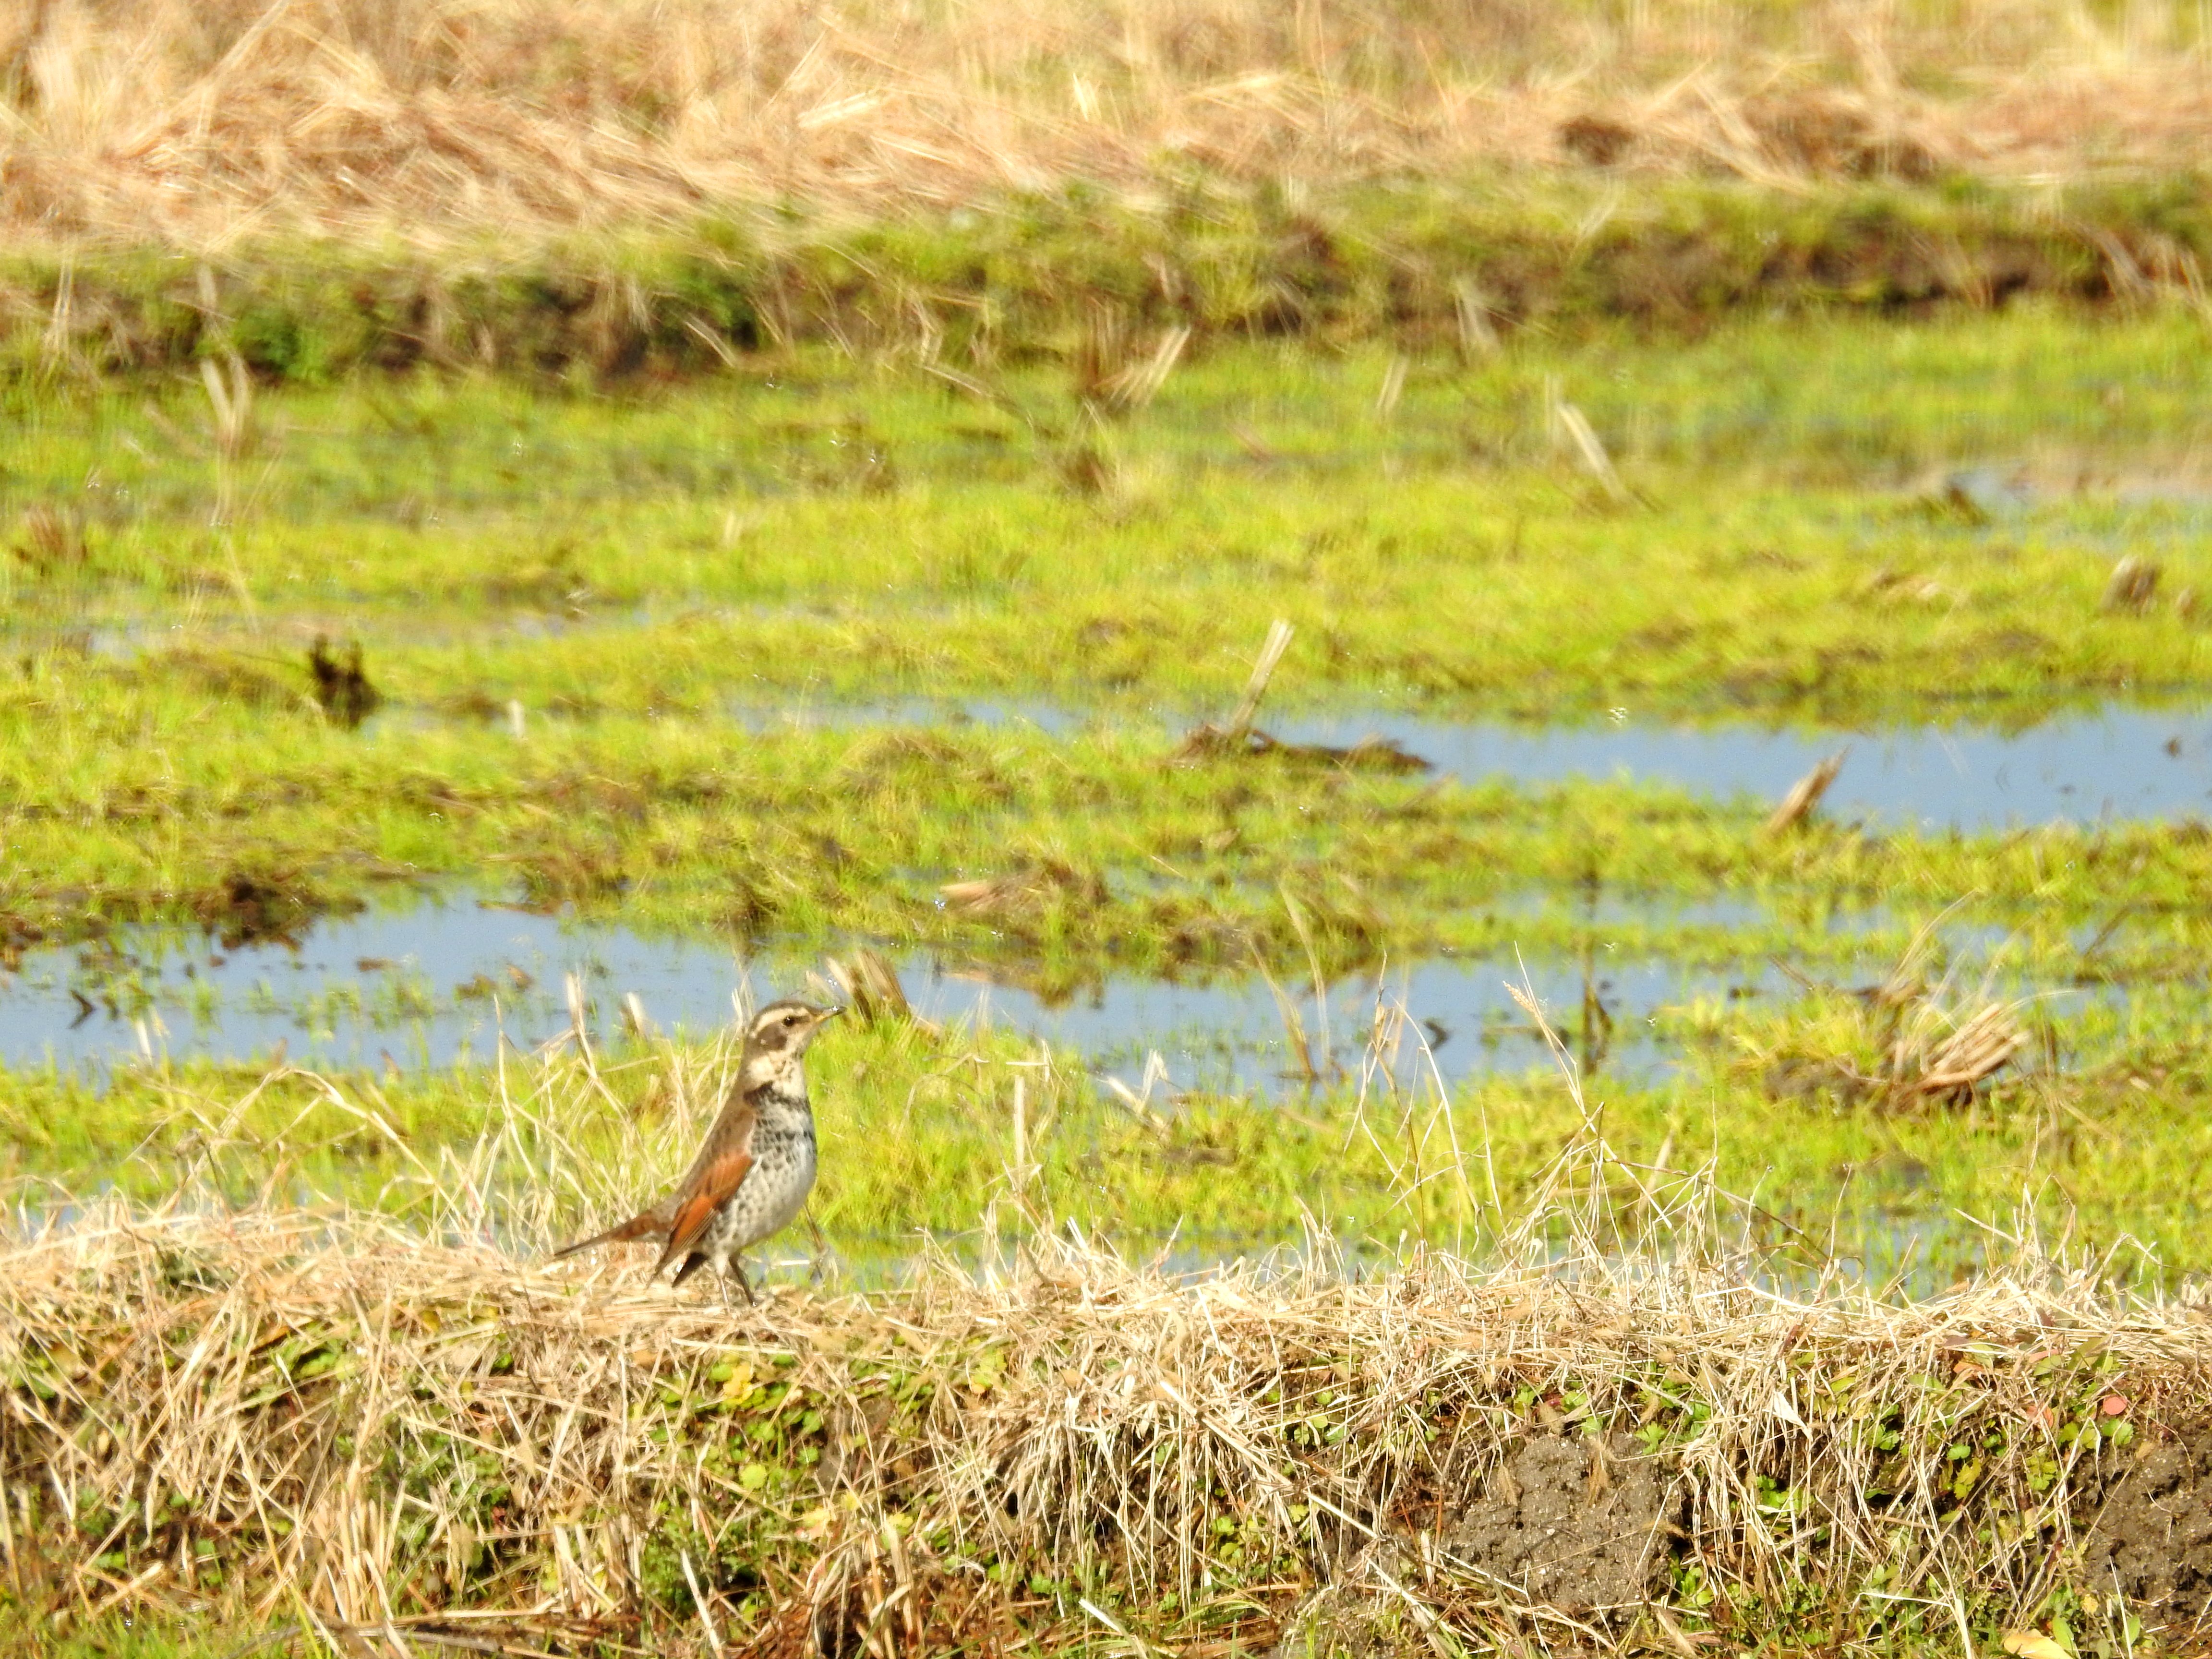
(1920, 1041)
(51, 540)
(870, 986)
(1804, 796)
(1208, 738)
(1027, 889)
(2134, 584)
(1976, 1050)
(1590, 450)
(444, 120)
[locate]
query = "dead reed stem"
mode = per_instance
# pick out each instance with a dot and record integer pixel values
(1237, 736)
(1922, 1043)
(1804, 796)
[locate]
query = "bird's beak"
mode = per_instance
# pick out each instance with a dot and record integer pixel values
(829, 1014)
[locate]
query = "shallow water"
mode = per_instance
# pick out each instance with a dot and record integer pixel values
(2117, 762)
(447, 982)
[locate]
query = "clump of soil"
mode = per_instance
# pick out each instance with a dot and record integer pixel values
(2152, 1531)
(1596, 141)
(342, 684)
(1368, 755)
(1572, 1525)
(228, 677)
(245, 908)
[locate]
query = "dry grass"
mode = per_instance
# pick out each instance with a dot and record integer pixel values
(1803, 799)
(196, 123)
(387, 1432)
(1907, 1043)
(432, 1436)
(1618, 1435)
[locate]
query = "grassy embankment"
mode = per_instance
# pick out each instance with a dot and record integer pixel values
(339, 1434)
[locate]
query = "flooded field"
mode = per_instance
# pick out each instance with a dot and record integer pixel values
(1784, 1073)
(455, 983)
(706, 687)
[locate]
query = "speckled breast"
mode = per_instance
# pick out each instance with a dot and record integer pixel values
(773, 1190)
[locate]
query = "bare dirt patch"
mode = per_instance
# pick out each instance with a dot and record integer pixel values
(2152, 1532)
(1570, 1524)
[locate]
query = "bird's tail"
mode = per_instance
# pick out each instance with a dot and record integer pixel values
(642, 1226)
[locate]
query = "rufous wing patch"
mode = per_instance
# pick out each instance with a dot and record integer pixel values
(716, 1183)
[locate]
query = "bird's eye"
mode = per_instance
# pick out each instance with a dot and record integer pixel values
(791, 1019)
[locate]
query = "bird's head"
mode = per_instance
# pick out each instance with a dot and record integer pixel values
(777, 1037)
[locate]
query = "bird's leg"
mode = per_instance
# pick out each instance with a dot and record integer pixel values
(737, 1273)
(821, 1249)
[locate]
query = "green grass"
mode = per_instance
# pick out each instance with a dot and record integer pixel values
(812, 526)
(918, 1135)
(649, 578)
(657, 578)
(143, 1636)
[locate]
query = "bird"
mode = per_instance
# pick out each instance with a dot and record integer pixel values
(753, 1173)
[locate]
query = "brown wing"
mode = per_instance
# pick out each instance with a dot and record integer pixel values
(715, 1174)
